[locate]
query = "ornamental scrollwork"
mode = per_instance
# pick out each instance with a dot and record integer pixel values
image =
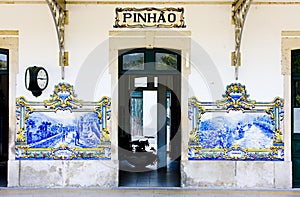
(59, 15)
(63, 98)
(276, 113)
(103, 111)
(23, 110)
(239, 11)
(236, 99)
(195, 112)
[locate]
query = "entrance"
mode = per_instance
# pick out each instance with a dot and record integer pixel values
(149, 118)
(295, 60)
(4, 54)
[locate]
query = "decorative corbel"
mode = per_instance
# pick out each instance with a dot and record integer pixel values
(239, 12)
(60, 17)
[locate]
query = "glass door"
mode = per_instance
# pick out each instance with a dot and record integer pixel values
(149, 104)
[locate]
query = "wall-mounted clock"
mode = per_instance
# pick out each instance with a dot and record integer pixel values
(36, 80)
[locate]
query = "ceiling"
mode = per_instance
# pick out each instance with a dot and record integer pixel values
(229, 2)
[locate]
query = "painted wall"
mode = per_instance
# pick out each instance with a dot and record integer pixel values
(212, 42)
(261, 45)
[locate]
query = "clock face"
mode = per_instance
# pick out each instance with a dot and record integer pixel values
(36, 80)
(42, 79)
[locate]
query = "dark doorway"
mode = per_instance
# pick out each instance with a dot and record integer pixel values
(149, 118)
(4, 115)
(295, 60)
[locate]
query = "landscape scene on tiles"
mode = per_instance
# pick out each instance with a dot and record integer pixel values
(73, 129)
(3, 62)
(235, 128)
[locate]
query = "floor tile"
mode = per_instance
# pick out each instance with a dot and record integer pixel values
(168, 177)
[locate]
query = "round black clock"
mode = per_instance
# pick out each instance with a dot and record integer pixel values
(36, 80)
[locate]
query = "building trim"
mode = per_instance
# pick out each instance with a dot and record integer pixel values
(157, 38)
(156, 2)
(22, 2)
(10, 33)
(289, 40)
(9, 39)
(290, 33)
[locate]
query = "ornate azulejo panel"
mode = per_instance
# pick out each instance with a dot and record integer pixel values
(63, 127)
(236, 128)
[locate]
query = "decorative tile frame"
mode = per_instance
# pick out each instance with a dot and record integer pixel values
(63, 127)
(179, 23)
(236, 128)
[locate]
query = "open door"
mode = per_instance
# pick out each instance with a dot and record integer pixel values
(4, 60)
(149, 118)
(296, 117)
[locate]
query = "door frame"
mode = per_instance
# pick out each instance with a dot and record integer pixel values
(150, 38)
(9, 39)
(295, 136)
(5, 127)
(167, 80)
(290, 40)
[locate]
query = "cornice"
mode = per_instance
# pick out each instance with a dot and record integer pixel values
(154, 2)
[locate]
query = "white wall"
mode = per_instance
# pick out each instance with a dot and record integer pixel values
(37, 43)
(213, 34)
(262, 48)
(212, 43)
(87, 42)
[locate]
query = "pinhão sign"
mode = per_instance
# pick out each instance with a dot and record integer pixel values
(149, 17)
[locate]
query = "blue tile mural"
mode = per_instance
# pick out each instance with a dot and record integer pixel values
(236, 128)
(81, 131)
(63, 127)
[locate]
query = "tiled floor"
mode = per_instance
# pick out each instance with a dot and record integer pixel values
(165, 177)
(3, 174)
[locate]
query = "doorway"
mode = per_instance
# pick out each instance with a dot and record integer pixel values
(295, 105)
(4, 83)
(149, 117)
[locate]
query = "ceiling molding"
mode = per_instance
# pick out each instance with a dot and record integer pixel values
(182, 2)
(154, 2)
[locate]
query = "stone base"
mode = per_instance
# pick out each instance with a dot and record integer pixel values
(102, 174)
(195, 174)
(236, 174)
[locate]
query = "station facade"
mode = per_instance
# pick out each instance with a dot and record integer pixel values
(193, 94)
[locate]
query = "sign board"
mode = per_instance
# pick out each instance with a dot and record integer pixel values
(149, 17)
